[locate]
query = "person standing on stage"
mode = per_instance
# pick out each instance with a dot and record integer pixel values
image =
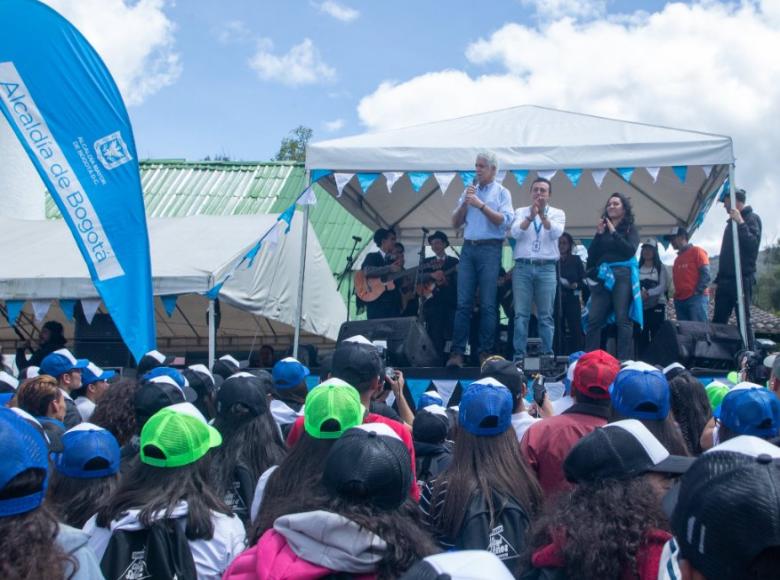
(611, 257)
(534, 279)
(485, 208)
(439, 283)
(654, 281)
(725, 284)
(379, 264)
(572, 277)
(691, 276)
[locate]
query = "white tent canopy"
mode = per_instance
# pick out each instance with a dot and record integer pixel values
(41, 262)
(534, 139)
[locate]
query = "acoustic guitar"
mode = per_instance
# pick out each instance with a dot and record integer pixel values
(369, 288)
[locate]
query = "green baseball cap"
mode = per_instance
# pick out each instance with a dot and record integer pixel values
(716, 391)
(177, 435)
(331, 408)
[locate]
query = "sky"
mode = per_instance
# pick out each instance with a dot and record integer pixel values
(232, 78)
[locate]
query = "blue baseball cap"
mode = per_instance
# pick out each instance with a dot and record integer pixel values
(288, 373)
(60, 362)
(23, 448)
(750, 411)
(88, 452)
(93, 373)
(641, 394)
(486, 408)
(429, 398)
(175, 375)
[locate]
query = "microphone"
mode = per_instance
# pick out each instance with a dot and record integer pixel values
(425, 230)
(475, 181)
(357, 238)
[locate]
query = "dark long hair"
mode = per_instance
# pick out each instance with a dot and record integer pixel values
(600, 526)
(665, 430)
(691, 408)
(484, 465)
(28, 541)
(657, 265)
(569, 239)
(299, 474)
(154, 490)
(74, 501)
(628, 218)
(115, 412)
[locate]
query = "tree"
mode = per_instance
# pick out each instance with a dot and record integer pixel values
(768, 283)
(294, 148)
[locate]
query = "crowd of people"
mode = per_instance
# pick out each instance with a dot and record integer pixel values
(625, 296)
(633, 472)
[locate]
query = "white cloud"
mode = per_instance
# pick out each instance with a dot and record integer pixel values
(334, 125)
(339, 11)
(302, 65)
(706, 66)
(556, 9)
(135, 39)
(233, 31)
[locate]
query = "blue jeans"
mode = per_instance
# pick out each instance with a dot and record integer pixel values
(693, 308)
(534, 284)
(479, 267)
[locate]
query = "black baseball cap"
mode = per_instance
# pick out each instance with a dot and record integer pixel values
(620, 450)
(151, 360)
(156, 394)
(245, 389)
(369, 464)
(356, 363)
(431, 425)
(225, 366)
(505, 372)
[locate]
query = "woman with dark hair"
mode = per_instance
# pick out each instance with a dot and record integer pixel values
(50, 338)
(116, 411)
(360, 523)
(42, 398)
(691, 408)
(251, 440)
(487, 485)
(654, 282)
(85, 473)
(611, 262)
(611, 525)
(572, 275)
(32, 544)
(169, 484)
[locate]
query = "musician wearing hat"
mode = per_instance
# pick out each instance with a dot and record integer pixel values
(438, 288)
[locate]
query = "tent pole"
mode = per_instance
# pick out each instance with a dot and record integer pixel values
(741, 306)
(304, 241)
(212, 335)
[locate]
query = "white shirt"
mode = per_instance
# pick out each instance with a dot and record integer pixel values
(548, 239)
(85, 407)
(521, 422)
(257, 500)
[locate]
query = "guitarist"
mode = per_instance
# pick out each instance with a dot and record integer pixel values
(380, 264)
(440, 284)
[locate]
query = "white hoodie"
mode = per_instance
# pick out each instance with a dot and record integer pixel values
(212, 557)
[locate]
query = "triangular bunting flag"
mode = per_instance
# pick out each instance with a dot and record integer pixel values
(317, 174)
(90, 307)
(547, 174)
(307, 197)
(342, 179)
(626, 173)
(67, 307)
(653, 171)
(444, 180)
(468, 177)
(598, 176)
(681, 171)
(500, 176)
(272, 239)
(13, 309)
(418, 178)
(214, 292)
(252, 254)
(520, 175)
(286, 216)
(40, 309)
(366, 180)
(391, 177)
(573, 175)
(169, 302)
(707, 170)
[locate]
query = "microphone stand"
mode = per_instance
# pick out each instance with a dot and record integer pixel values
(346, 273)
(419, 274)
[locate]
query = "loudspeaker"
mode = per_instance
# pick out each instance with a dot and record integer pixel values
(100, 341)
(695, 344)
(408, 343)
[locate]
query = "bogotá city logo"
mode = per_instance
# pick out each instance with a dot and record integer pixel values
(112, 151)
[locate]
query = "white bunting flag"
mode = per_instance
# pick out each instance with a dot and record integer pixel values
(308, 197)
(272, 239)
(598, 176)
(391, 177)
(707, 170)
(40, 309)
(90, 307)
(653, 171)
(444, 180)
(547, 174)
(341, 180)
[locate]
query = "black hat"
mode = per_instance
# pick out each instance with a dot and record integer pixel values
(355, 363)
(727, 508)
(200, 379)
(369, 464)
(505, 372)
(620, 450)
(245, 389)
(225, 366)
(156, 394)
(439, 235)
(151, 360)
(431, 425)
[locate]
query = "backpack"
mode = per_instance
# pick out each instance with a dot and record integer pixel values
(240, 494)
(432, 465)
(159, 552)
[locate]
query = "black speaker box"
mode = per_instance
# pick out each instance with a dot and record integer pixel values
(408, 343)
(695, 344)
(100, 341)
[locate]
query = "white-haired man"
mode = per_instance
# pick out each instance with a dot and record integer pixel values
(484, 211)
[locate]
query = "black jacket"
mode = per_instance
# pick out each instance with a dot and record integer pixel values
(609, 247)
(749, 240)
(388, 305)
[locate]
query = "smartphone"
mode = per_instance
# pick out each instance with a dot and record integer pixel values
(539, 390)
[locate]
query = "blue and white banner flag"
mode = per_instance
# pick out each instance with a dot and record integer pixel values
(66, 110)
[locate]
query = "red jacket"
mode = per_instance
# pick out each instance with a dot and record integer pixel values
(401, 430)
(546, 443)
